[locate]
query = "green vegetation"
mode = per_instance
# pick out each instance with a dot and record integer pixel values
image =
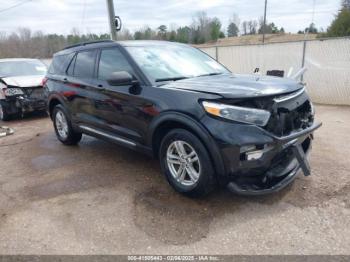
(341, 24)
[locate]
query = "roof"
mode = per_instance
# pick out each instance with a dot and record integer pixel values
(148, 43)
(17, 59)
(107, 43)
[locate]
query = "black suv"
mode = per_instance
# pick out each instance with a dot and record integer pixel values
(206, 125)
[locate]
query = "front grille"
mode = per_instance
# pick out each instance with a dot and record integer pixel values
(35, 92)
(291, 112)
(284, 121)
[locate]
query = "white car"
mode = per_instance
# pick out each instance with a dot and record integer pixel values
(21, 87)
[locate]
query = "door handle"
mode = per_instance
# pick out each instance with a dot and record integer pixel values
(65, 80)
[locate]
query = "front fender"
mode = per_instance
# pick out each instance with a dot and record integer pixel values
(197, 128)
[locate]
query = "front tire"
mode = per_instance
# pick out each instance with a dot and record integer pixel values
(63, 127)
(186, 163)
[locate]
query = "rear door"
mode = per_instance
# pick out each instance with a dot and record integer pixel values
(81, 94)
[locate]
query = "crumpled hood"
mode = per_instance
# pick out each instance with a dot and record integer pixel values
(23, 81)
(238, 86)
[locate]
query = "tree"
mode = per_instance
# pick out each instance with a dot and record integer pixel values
(346, 4)
(138, 35)
(215, 29)
(245, 27)
(162, 30)
(270, 28)
(311, 29)
(201, 28)
(183, 34)
(252, 26)
(172, 36)
(232, 30)
(341, 24)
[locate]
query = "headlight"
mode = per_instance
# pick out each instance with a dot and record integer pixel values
(13, 91)
(240, 114)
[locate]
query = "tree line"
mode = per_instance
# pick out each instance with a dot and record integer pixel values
(203, 29)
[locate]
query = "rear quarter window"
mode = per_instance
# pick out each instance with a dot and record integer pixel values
(60, 63)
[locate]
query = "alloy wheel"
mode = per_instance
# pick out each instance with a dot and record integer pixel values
(183, 163)
(61, 125)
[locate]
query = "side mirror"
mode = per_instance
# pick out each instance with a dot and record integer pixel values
(121, 78)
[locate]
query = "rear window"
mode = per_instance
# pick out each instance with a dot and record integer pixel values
(84, 64)
(60, 63)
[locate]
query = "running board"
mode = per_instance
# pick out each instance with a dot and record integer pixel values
(113, 137)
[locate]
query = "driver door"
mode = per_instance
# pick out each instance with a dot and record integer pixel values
(115, 105)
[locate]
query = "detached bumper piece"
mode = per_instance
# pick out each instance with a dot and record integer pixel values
(30, 104)
(288, 163)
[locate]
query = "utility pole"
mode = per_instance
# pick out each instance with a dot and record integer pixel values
(264, 26)
(111, 16)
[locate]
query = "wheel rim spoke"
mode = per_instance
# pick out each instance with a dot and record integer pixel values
(183, 163)
(61, 125)
(181, 173)
(180, 148)
(192, 173)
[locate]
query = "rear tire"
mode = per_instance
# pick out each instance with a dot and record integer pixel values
(186, 163)
(63, 127)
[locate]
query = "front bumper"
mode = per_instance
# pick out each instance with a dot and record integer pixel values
(22, 104)
(277, 167)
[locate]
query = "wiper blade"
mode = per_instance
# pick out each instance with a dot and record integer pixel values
(211, 74)
(171, 78)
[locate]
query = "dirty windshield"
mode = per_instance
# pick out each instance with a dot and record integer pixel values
(165, 63)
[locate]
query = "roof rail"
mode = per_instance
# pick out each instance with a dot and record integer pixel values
(88, 43)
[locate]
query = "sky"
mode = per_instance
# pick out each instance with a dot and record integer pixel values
(90, 16)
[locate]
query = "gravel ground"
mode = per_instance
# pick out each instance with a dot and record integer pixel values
(99, 198)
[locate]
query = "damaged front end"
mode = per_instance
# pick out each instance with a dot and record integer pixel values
(291, 128)
(265, 159)
(273, 170)
(20, 100)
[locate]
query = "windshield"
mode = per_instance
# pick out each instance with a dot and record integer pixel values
(166, 63)
(22, 68)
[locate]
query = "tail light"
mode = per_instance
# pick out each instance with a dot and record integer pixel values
(43, 81)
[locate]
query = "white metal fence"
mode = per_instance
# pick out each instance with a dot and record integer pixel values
(327, 61)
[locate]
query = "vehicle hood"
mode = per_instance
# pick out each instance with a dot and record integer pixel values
(23, 81)
(238, 86)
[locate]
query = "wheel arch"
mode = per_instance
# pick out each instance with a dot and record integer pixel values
(171, 120)
(53, 101)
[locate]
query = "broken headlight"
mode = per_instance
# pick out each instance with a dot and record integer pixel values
(13, 91)
(236, 113)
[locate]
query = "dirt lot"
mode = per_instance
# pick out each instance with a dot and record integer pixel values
(99, 198)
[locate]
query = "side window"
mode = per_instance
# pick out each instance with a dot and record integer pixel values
(60, 63)
(84, 64)
(112, 60)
